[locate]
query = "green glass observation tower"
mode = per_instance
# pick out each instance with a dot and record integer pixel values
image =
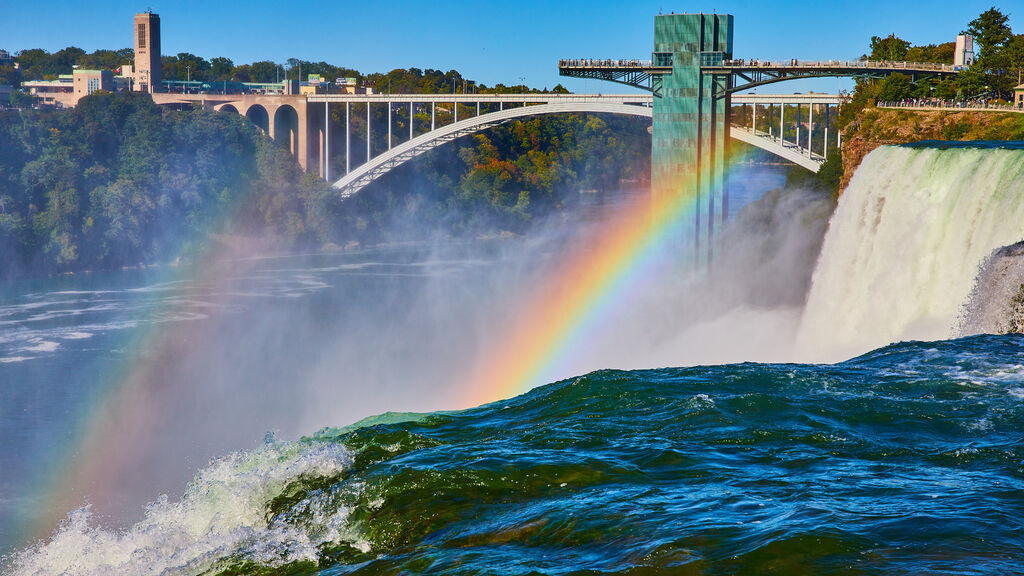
(691, 111)
(691, 108)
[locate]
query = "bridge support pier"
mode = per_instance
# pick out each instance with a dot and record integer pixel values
(797, 139)
(327, 141)
(782, 123)
(824, 149)
(810, 130)
(348, 139)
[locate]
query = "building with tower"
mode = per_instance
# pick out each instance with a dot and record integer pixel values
(964, 52)
(147, 53)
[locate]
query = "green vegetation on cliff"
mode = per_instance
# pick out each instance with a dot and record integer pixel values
(120, 181)
(993, 75)
(874, 127)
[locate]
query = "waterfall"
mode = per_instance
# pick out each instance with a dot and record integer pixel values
(905, 244)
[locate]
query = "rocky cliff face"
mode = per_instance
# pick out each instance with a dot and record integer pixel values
(876, 127)
(996, 305)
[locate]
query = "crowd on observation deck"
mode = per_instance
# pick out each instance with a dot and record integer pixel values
(609, 63)
(635, 63)
(840, 64)
(975, 104)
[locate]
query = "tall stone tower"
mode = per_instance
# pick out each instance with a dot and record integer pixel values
(691, 117)
(147, 52)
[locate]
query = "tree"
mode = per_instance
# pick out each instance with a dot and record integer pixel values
(21, 99)
(106, 59)
(895, 87)
(889, 48)
(990, 31)
(9, 75)
(1014, 52)
(220, 68)
(264, 71)
(941, 53)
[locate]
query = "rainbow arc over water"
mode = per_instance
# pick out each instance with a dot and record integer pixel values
(557, 316)
(593, 281)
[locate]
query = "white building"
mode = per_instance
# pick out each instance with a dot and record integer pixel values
(964, 54)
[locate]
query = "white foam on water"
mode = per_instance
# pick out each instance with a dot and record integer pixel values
(222, 515)
(14, 359)
(905, 244)
(40, 345)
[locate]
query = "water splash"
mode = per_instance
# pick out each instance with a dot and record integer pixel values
(996, 305)
(224, 516)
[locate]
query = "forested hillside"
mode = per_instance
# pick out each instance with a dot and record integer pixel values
(119, 181)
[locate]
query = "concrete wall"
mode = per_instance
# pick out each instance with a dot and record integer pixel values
(304, 139)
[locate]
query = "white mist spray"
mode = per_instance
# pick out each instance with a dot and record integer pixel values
(905, 243)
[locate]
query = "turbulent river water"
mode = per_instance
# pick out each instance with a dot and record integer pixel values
(907, 459)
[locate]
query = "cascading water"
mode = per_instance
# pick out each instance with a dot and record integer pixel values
(904, 460)
(905, 244)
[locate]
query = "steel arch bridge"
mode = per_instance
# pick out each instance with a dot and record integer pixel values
(540, 104)
(381, 164)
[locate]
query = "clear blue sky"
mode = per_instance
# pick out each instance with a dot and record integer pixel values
(489, 42)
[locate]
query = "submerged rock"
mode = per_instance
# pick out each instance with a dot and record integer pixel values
(996, 305)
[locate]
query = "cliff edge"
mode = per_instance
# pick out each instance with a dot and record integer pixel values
(875, 127)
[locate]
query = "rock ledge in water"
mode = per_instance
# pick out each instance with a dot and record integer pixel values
(996, 304)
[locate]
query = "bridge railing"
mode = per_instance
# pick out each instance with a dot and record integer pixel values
(612, 63)
(604, 63)
(866, 64)
(952, 105)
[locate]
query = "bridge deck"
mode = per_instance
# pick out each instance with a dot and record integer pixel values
(729, 66)
(483, 98)
(837, 66)
(645, 66)
(747, 74)
(788, 99)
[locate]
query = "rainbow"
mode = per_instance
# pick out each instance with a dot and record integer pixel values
(125, 420)
(595, 277)
(128, 418)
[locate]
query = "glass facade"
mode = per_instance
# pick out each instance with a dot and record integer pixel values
(661, 58)
(690, 118)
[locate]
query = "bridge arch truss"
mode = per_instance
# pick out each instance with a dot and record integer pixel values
(359, 177)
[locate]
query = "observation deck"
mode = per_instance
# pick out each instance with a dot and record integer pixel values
(636, 73)
(745, 74)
